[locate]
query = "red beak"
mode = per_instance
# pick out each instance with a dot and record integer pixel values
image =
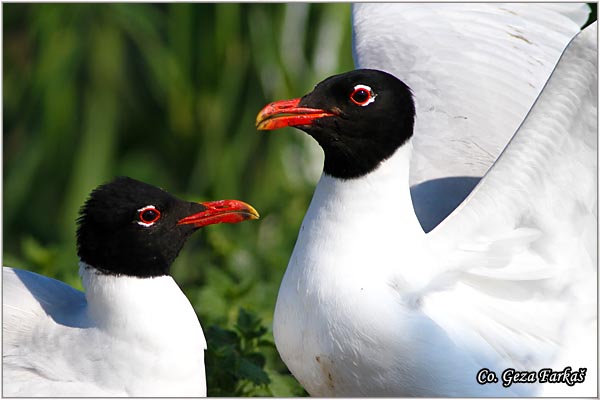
(284, 113)
(221, 212)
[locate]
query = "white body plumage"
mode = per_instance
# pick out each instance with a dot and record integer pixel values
(126, 336)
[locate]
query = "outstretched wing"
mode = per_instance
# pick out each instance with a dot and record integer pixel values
(520, 254)
(474, 69)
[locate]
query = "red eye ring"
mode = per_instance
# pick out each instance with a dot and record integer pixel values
(148, 215)
(362, 95)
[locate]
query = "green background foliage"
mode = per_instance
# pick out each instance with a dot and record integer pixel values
(168, 94)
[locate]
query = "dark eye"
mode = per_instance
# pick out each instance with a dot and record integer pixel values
(148, 215)
(362, 95)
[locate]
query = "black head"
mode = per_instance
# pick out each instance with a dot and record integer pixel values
(359, 118)
(128, 227)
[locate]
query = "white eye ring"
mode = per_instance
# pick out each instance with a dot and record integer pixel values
(371, 98)
(148, 207)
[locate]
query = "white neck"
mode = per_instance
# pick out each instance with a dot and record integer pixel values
(150, 333)
(155, 308)
(373, 212)
(384, 193)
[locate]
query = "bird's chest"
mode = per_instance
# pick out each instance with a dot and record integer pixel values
(336, 340)
(333, 322)
(340, 308)
(147, 338)
(165, 370)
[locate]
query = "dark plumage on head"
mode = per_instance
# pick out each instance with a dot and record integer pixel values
(113, 237)
(359, 118)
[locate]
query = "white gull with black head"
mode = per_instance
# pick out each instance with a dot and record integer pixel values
(371, 305)
(133, 332)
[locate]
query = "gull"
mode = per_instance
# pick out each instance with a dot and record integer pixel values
(501, 288)
(133, 332)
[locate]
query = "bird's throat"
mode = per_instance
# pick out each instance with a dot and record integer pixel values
(346, 213)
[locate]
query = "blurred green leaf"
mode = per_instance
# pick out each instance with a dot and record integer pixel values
(249, 325)
(284, 386)
(252, 372)
(236, 364)
(36, 253)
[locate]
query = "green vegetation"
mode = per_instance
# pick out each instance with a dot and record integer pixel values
(168, 94)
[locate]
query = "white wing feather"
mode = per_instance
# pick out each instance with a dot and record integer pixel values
(38, 313)
(474, 69)
(524, 243)
(137, 343)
